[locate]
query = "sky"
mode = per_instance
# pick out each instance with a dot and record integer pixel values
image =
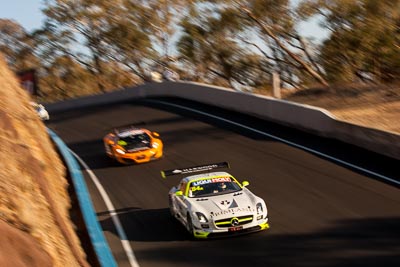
(25, 12)
(28, 14)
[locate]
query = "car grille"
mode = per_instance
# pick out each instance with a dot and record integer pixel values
(234, 221)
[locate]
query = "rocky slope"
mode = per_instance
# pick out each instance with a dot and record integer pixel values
(34, 205)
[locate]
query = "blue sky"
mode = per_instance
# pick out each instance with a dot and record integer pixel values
(28, 14)
(25, 12)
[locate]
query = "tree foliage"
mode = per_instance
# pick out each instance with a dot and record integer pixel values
(267, 28)
(17, 45)
(209, 47)
(364, 40)
(87, 46)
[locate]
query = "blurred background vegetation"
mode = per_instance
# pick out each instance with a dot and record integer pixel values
(94, 46)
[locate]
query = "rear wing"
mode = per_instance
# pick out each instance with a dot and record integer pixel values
(127, 127)
(122, 129)
(200, 168)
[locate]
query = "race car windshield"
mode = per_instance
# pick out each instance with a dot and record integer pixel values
(135, 141)
(204, 188)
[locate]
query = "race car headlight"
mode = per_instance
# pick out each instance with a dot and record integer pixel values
(259, 208)
(155, 145)
(202, 217)
(120, 151)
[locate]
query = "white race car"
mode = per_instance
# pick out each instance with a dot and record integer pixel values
(215, 203)
(41, 111)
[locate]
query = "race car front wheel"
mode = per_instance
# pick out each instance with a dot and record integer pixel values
(171, 207)
(189, 224)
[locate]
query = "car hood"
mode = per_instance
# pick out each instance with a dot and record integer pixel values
(135, 147)
(221, 206)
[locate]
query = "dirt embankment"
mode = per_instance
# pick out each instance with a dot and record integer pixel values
(375, 106)
(34, 204)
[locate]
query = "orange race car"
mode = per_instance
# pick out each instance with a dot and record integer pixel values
(130, 144)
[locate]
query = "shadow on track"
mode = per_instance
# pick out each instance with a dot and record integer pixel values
(93, 154)
(359, 243)
(146, 225)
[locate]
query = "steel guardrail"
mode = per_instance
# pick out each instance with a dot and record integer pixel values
(99, 243)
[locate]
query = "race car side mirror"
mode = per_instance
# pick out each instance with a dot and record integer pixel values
(155, 134)
(179, 193)
(245, 183)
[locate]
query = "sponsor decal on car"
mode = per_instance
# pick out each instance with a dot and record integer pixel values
(196, 188)
(201, 182)
(221, 179)
(213, 180)
(231, 211)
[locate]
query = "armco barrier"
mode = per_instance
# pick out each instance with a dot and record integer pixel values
(97, 238)
(307, 118)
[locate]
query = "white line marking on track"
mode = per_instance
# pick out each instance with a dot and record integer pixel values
(121, 233)
(283, 141)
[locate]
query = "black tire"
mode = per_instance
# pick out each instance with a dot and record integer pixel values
(189, 225)
(112, 153)
(171, 207)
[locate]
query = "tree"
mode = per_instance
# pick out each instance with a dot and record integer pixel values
(84, 22)
(267, 26)
(165, 16)
(128, 37)
(209, 45)
(364, 39)
(17, 46)
(66, 78)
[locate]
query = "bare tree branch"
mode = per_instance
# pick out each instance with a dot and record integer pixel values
(266, 30)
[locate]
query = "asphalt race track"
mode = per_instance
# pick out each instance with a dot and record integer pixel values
(322, 213)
